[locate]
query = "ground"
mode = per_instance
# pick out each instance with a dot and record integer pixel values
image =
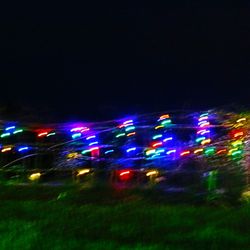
(40, 217)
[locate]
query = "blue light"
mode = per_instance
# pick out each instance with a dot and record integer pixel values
(23, 149)
(10, 128)
(109, 151)
(131, 149)
(93, 143)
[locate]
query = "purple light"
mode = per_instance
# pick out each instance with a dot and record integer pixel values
(90, 137)
(168, 139)
(129, 121)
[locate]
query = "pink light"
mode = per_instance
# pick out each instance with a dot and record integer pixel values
(157, 144)
(200, 131)
(129, 121)
(203, 118)
(205, 124)
(95, 148)
(77, 129)
(84, 130)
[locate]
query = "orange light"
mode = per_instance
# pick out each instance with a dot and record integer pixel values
(130, 134)
(6, 149)
(221, 151)
(164, 117)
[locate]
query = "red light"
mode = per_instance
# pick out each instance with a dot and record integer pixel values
(157, 144)
(238, 134)
(42, 134)
(95, 152)
(124, 172)
(185, 153)
(125, 175)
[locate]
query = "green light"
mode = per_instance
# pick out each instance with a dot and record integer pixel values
(120, 135)
(200, 139)
(157, 136)
(5, 135)
(167, 121)
(237, 152)
(51, 134)
(85, 151)
(18, 131)
(209, 151)
(130, 128)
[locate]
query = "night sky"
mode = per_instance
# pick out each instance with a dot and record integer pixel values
(101, 62)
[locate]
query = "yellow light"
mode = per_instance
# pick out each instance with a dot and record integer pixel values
(151, 151)
(160, 126)
(198, 150)
(72, 155)
(206, 141)
(232, 150)
(35, 176)
(237, 143)
(153, 172)
(241, 119)
(83, 171)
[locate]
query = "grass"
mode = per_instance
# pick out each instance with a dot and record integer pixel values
(40, 217)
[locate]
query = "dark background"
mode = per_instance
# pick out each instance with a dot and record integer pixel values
(101, 62)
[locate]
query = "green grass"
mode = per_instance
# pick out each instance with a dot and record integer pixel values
(69, 218)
